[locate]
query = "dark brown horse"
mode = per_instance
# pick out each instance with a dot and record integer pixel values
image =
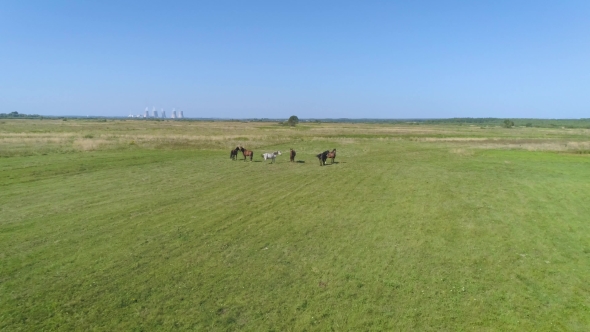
(322, 157)
(332, 155)
(247, 153)
(233, 155)
(292, 155)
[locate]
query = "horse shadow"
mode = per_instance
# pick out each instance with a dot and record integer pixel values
(300, 161)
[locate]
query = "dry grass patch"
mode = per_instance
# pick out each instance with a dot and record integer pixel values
(462, 152)
(91, 144)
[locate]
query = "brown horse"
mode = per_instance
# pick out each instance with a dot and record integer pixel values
(233, 155)
(247, 153)
(292, 155)
(332, 155)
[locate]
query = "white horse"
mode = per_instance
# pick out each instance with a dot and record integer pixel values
(272, 155)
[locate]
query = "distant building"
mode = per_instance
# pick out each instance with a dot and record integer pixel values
(163, 114)
(155, 114)
(173, 114)
(180, 115)
(146, 114)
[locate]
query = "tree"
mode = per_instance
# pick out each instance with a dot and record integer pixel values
(508, 124)
(293, 120)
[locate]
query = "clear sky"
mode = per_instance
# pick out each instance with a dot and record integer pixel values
(321, 59)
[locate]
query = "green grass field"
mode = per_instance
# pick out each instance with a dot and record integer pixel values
(144, 226)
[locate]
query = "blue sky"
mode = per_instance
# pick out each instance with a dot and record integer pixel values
(320, 59)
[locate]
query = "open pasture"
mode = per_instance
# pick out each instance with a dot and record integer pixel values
(148, 225)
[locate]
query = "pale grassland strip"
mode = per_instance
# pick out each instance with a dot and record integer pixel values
(463, 146)
(91, 144)
(34, 136)
(6, 135)
(541, 146)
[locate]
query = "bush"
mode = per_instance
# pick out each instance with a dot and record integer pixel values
(508, 124)
(293, 120)
(528, 124)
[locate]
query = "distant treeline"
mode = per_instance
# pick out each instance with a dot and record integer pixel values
(491, 122)
(482, 122)
(17, 115)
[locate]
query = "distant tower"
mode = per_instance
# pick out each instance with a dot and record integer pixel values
(173, 113)
(180, 115)
(146, 114)
(155, 114)
(163, 114)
